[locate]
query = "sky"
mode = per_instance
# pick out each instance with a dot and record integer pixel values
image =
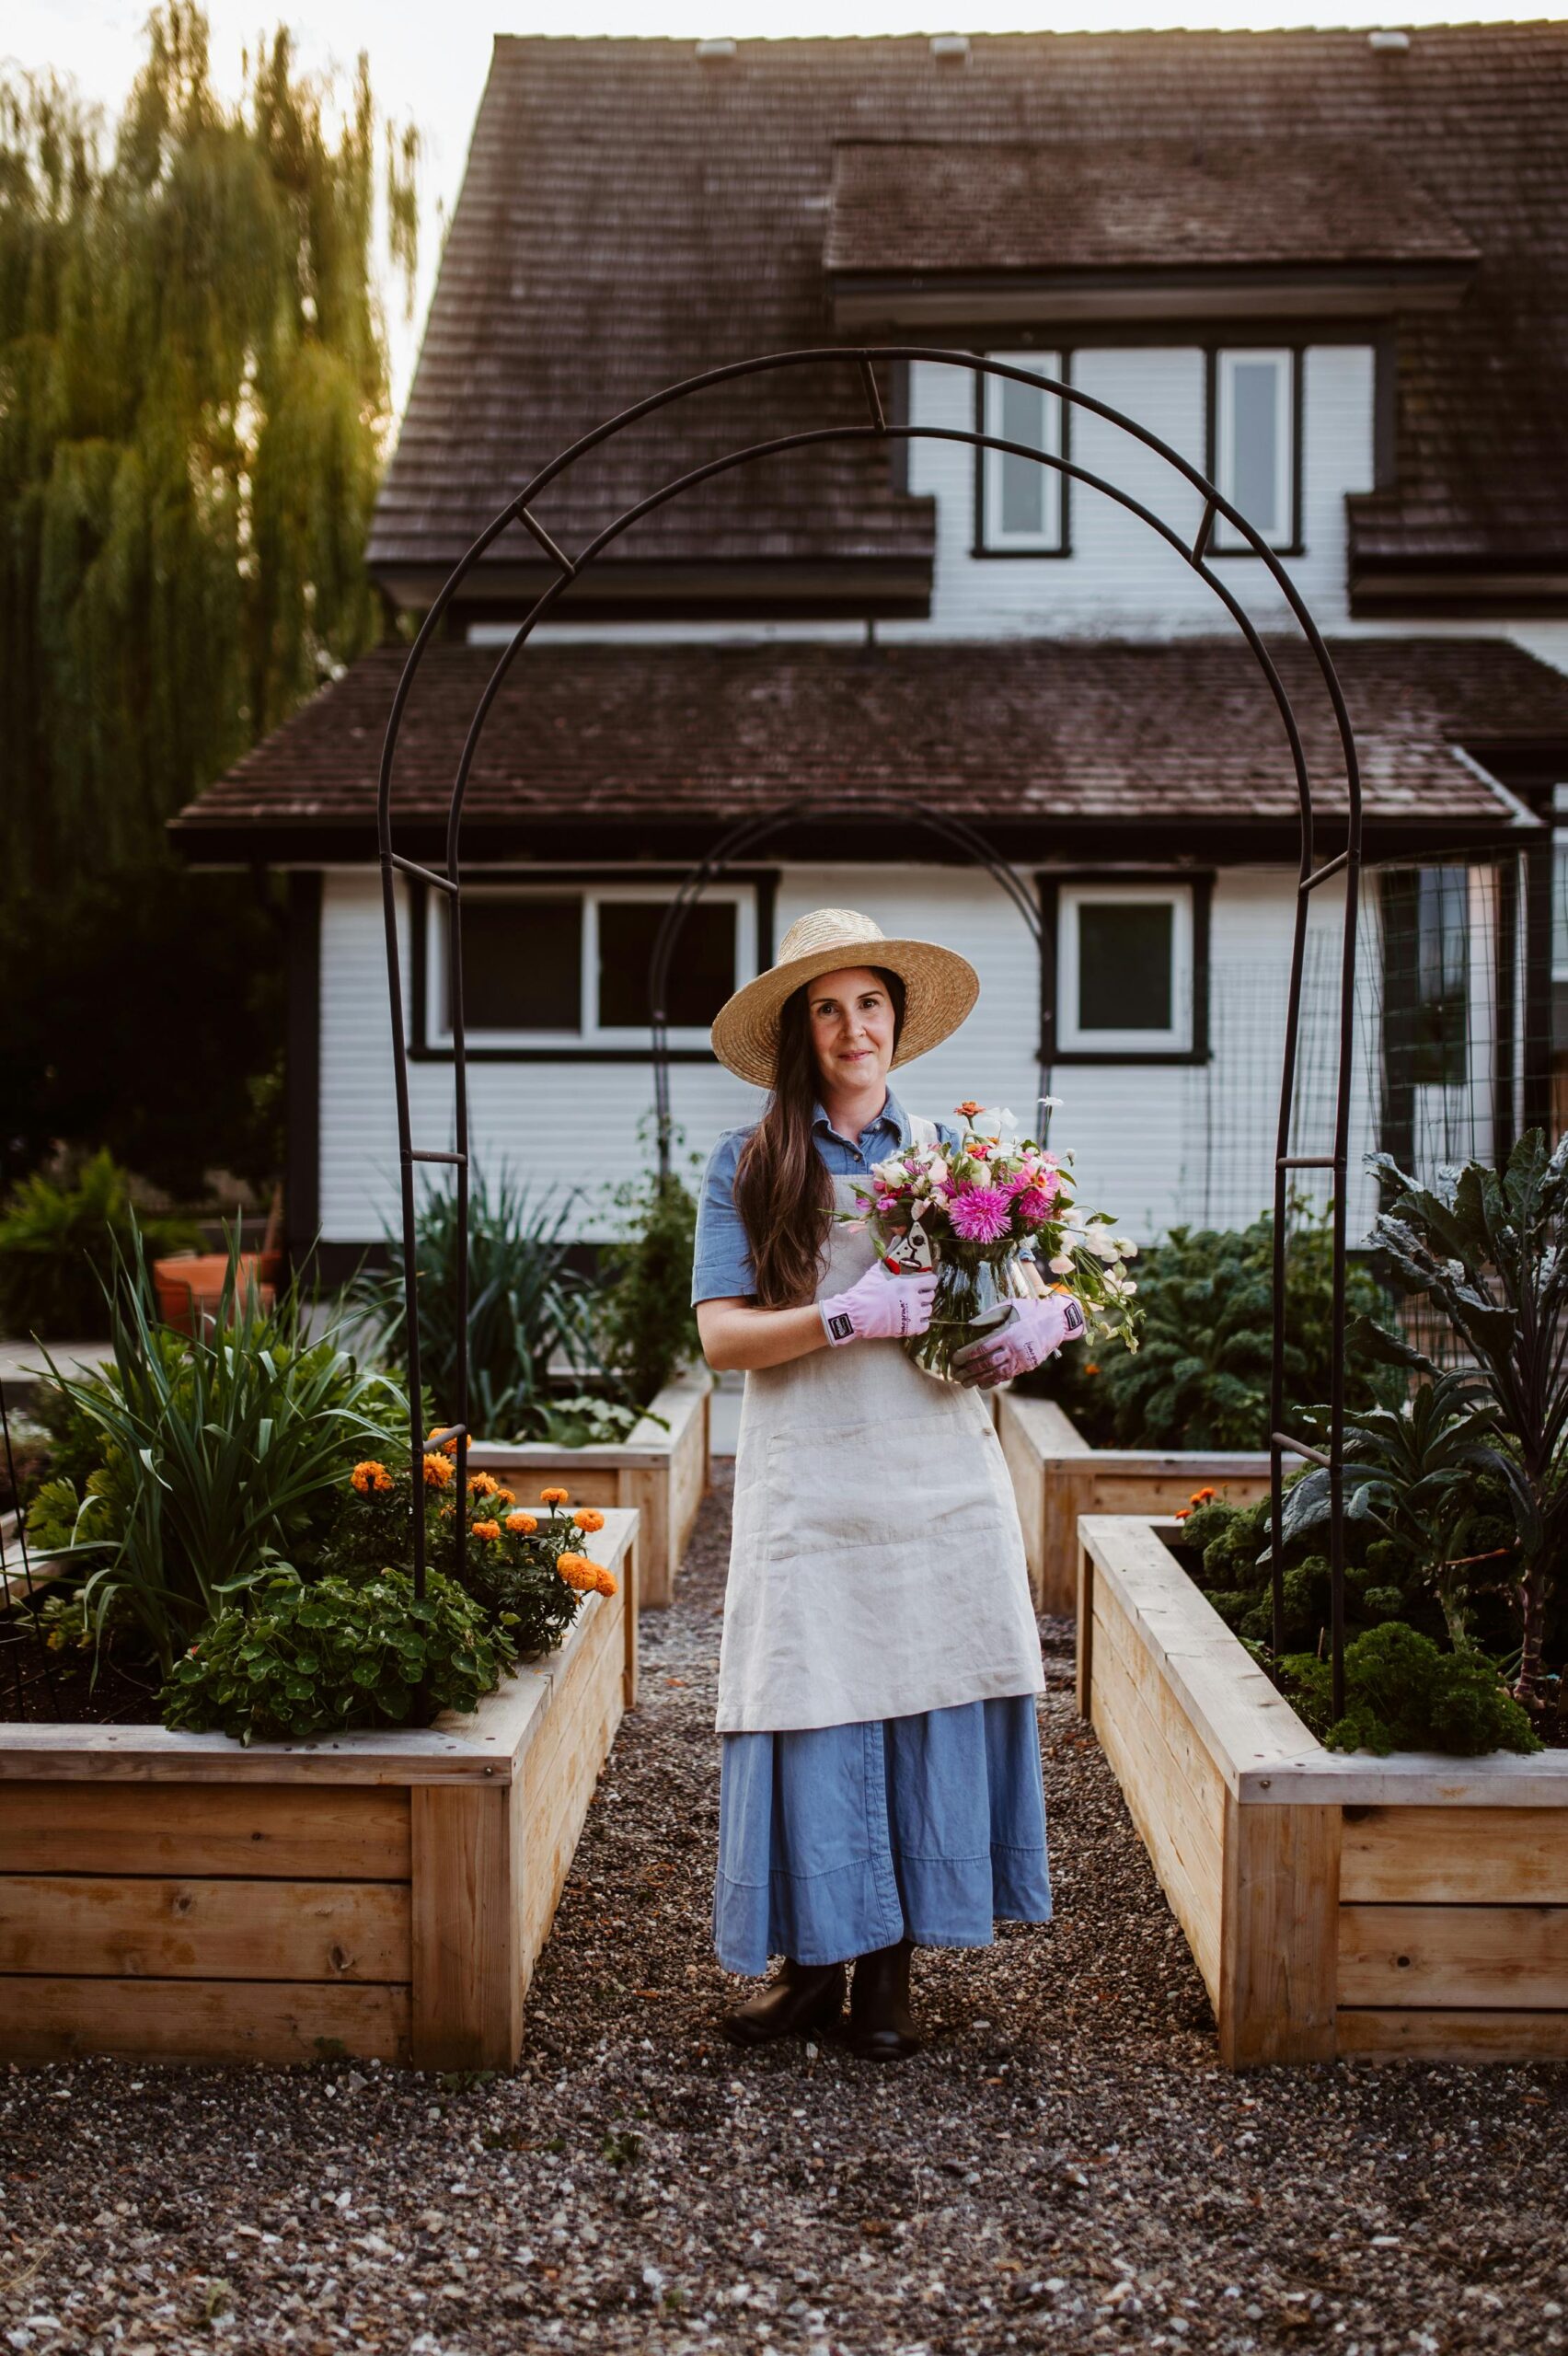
(429, 60)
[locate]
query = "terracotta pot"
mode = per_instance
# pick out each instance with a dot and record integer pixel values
(191, 1287)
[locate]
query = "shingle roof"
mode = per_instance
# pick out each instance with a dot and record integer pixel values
(633, 213)
(1031, 735)
(1137, 203)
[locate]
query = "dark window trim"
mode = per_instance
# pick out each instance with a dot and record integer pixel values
(422, 1049)
(302, 1066)
(981, 548)
(1199, 883)
(1295, 545)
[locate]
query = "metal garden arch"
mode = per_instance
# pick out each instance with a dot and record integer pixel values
(877, 427)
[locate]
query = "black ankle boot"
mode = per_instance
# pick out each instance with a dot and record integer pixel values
(800, 1996)
(882, 2027)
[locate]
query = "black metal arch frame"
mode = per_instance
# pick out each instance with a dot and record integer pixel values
(877, 427)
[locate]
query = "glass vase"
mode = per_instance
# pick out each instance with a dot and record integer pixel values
(974, 1293)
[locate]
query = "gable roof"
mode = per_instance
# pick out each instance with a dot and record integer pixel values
(634, 213)
(603, 750)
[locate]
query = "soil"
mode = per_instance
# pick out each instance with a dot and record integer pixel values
(1065, 2166)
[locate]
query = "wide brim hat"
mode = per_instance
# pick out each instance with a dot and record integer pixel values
(940, 987)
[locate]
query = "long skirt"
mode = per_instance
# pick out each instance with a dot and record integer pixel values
(835, 1840)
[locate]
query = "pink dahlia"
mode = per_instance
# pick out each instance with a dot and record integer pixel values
(1032, 1204)
(980, 1214)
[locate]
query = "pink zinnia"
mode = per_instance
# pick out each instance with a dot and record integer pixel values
(979, 1215)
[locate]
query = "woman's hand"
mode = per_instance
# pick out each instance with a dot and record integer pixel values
(880, 1308)
(1035, 1329)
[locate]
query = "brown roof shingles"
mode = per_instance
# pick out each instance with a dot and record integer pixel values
(1031, 733)
(634, 213)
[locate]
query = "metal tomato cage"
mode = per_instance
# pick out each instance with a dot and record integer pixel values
(877, 427)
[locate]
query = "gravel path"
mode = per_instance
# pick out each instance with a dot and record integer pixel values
(1064, 2167)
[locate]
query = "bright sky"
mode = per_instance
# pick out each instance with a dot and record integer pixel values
(429, 60)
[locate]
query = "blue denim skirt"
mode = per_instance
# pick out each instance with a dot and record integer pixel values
(834, 1840)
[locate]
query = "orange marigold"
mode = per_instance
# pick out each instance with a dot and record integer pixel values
(483, 1485)
(437, 1473)
(521, 1525)
(589, 1518)
(449, 1446)
(371, 1475)
(506, 1496)
(1202, 1496)
(487, 1528)
(574, 1569)
(605, 1580)
(555, 1496)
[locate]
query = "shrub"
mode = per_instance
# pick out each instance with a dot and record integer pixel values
(60, 1242)
(1401, 1693)
(525, 1305)
(218, 1455)
(302, 1659)
(1491, 1248)
(1199, 1377)
(646, 1325)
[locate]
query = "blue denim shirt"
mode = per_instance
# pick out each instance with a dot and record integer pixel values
(721, 1266)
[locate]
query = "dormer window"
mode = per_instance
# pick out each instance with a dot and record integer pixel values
(1252, 404)
(1020, 505)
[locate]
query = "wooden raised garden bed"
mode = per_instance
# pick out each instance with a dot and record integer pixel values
(1057, 1476)
(660, 1471)
(1335, 1903)
(179, 1896)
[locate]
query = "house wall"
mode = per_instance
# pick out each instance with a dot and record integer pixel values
(1152, 1143)
(1121, 578)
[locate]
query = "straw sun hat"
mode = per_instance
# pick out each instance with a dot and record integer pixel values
(939, 989)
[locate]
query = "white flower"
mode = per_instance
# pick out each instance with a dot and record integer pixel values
(1062, 1265)
(1050, 1103)
(895, 1172)
(1126, 1247)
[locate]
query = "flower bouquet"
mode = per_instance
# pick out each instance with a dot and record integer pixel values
(988, 1214)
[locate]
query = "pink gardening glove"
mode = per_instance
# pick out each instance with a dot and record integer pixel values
(880, 1308)
(1034, 1330)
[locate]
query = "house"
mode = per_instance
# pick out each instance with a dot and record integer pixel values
(1330, 268)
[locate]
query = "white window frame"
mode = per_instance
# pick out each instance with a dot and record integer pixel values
(1226, 536)
(596, 898)
(1176, 1039)
(993, 539)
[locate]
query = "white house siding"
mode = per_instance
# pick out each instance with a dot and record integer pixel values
(1121, 579)
(1152, 1143)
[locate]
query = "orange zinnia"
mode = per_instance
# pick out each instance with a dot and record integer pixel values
(487, 1528)
(968, 1108)
(555, 1496)
(589, 1519)
(437, 1473)
(521, 1525)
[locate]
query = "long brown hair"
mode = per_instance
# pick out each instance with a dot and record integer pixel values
(783, 1191)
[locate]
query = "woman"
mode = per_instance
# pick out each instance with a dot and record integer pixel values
(879, 1785)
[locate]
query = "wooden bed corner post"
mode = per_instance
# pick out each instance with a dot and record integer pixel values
(1085, 1628)
(468, 1912)
(1279, 1946)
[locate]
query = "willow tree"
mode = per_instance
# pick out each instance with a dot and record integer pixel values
(193, 409)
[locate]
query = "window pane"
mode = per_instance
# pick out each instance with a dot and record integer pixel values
(702, 969)
(523, 965)
(1021, 505)
(1441, 1017)
(1124, 965)
(1254, 442)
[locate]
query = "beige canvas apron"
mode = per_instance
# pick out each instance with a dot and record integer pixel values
(877, 1566)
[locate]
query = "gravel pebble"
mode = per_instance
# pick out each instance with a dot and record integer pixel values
(1065, 2166)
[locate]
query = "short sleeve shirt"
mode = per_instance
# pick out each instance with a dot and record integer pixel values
(721, 1264)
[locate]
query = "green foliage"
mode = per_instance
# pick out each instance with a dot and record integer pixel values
(1199, 1377)
(59, 1243)
(588, 1422)
(193, 409)
(1382, 1582)
(217, 1455)
(645, 1322)
(301, 1659)
(1491, 1248)
(1402, 1693)
(524, 1303)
